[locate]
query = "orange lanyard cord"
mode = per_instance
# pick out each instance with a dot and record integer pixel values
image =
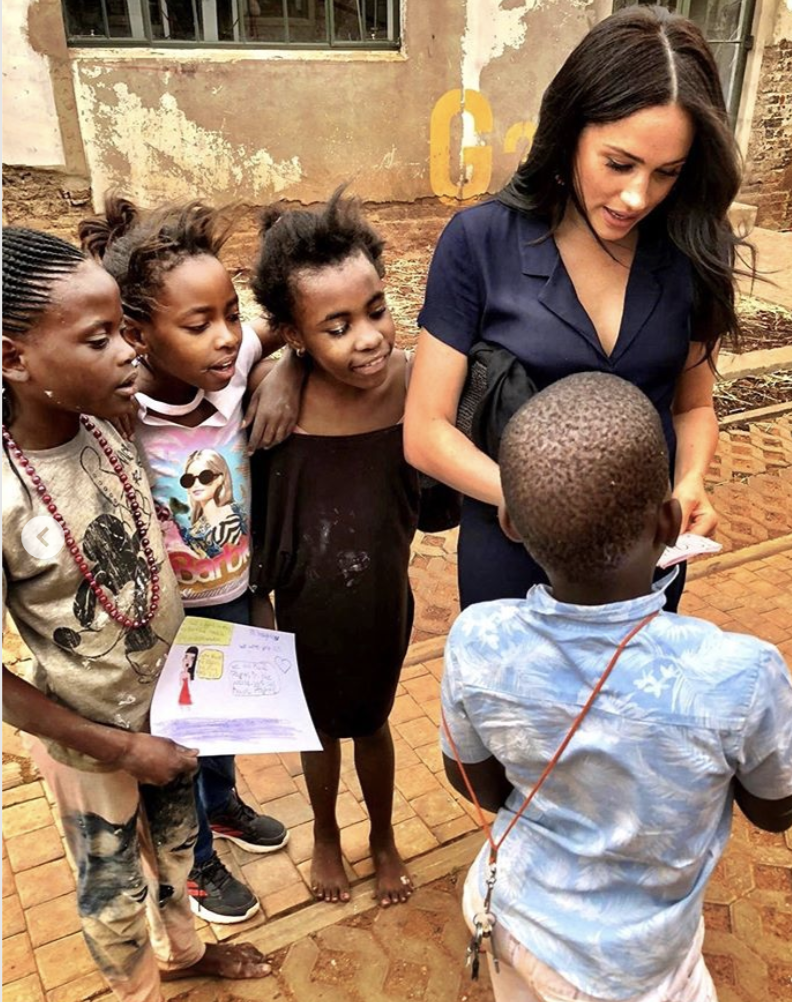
(495, 846)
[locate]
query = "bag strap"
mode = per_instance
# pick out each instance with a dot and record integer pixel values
(495, 846)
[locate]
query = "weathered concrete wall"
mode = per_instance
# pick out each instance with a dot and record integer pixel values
(768, 169)
(263, 125)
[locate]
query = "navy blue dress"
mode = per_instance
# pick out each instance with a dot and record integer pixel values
(489, 280)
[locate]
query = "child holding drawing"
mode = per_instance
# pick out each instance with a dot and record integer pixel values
(341, 510)
(181, 315)
(98, 614)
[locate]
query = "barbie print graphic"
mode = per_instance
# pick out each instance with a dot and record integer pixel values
(228, 689)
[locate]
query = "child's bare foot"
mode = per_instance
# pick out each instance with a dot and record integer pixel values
(328, 877)
(394, 884)
(225, 960)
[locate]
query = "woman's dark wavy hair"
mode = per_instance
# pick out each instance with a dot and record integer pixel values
(638, 58)
(33, 262)
(300, 240)
(139, 248)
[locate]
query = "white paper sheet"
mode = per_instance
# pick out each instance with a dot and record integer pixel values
(688, 545)
(228, 690)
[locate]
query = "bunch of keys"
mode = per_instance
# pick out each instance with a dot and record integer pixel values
(483, 925)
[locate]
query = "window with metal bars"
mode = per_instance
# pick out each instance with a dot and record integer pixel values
(727, 26)
(314, 24)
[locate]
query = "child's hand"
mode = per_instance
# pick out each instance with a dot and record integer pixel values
(275, 404)
(156, 761)
(125, 423)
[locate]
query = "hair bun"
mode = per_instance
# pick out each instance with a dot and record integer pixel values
(268, 217)
(99, 233)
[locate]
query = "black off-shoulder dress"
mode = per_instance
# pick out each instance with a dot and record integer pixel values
(333, 518)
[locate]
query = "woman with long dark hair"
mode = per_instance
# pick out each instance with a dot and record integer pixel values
(609, 250)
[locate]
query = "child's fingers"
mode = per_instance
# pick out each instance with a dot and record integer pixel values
(260, 435)
(189, 757)
(250, 413)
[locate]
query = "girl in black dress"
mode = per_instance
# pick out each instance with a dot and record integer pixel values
(341, 509)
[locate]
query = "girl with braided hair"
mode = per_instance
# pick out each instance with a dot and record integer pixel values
(197, 363)
(91, 591)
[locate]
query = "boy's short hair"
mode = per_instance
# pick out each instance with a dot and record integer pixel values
(581, 465)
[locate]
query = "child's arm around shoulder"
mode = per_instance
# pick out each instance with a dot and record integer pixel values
(275, 388)
(149, 759)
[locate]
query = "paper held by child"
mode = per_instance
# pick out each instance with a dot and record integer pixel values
(688, 545)
(228, 690)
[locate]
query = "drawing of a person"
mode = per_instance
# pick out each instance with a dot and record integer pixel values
(189, 659)
(217, 520)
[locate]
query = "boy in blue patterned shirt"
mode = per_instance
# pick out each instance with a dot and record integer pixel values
(600, 884)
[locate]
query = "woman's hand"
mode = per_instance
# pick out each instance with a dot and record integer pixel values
(275, 403)
(156, 761)
(696, 427)
(698, 514)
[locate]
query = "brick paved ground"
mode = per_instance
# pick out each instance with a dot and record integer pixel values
(355, 952)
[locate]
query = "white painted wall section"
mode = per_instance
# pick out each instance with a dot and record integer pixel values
(31, 133)
(490, 29)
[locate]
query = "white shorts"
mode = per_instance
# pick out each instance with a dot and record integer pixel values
(525, 978)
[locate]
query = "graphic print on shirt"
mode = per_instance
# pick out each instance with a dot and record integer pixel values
(114, 555)
(202, 491)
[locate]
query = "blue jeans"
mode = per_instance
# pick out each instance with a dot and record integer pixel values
(216, 776)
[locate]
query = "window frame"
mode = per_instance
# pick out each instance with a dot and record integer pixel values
(395, 7)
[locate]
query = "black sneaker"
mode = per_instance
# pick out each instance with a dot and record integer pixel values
(217, 896)
(251, 831)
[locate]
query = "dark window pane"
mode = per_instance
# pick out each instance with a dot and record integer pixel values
(84, 17)
(719, 21)
(179, 20)
(118, 18)
(263, 20)
(348, 21)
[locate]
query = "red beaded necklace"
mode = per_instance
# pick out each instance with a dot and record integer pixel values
(71, 544)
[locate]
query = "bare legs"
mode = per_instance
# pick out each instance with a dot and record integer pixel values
(322, 771)
(374, 763)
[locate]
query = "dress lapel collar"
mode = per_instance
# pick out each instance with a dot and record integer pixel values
(644, 288)
(542, 260)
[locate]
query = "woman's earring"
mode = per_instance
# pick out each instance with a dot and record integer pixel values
(558, 180)
(299, 352)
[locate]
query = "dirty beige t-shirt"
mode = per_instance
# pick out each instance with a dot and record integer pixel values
(82, 659)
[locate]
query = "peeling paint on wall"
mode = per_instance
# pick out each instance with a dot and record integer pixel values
(491, 29)
(133, 147)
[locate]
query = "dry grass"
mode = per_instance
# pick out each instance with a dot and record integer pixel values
(765, 325)
(750, 392)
